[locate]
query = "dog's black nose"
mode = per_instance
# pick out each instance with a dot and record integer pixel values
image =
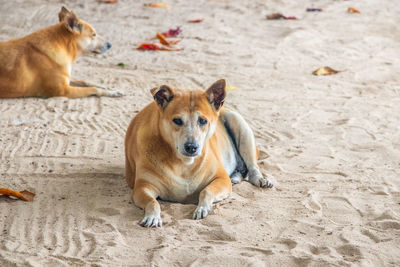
(191, 148)
(108, 45)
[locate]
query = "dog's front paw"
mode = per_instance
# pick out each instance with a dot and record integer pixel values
(114, 93)
(201, 212)
(260, 181)
(151, 221)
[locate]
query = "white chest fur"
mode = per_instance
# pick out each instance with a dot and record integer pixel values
(182, 188)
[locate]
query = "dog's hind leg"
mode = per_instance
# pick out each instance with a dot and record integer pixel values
(236, 177)
(76, 92)
(130, 172)
(244, 140)
(79, 83)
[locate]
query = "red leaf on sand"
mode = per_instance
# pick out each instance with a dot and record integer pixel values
(146, 46)
(150, 46)
(195, 20)
(172, 32)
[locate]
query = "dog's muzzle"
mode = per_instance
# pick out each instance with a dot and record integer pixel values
(191, 149)
(103, 49)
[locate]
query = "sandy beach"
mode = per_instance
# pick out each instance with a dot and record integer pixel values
(331, 144)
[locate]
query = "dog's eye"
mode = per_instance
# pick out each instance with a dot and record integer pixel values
(94, 35)
(202, 121)
(178, 121)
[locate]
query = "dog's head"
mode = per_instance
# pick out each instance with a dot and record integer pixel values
(189, 118)
(87, 39)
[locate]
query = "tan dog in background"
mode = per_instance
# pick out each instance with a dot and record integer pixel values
(184, 147)
(39, 64)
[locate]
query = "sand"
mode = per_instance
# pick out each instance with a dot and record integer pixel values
(331, 143)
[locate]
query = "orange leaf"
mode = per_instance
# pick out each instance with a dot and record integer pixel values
(23, 195)
(170, 49)
(174, 42)
(162, 39)
(195, 20)
(158, 5)
(352, 10)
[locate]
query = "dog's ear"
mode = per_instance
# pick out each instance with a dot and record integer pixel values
(162, 95)
(64, 11)
(216, 94)
(72, 22)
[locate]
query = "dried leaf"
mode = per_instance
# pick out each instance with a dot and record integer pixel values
(174, 42)
(170, 49)
(158, 5)
(162, 39)
(353, 10)
(314, 9)
(275, 16)
(108, 1)
(148, 46)
(23, 195)
(195, 20)
(230, 87)
(151, 46)
(325, 71)
(27, 196)
(172, 32)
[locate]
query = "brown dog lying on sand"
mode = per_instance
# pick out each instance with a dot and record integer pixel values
(40, 64)
(184, 147)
